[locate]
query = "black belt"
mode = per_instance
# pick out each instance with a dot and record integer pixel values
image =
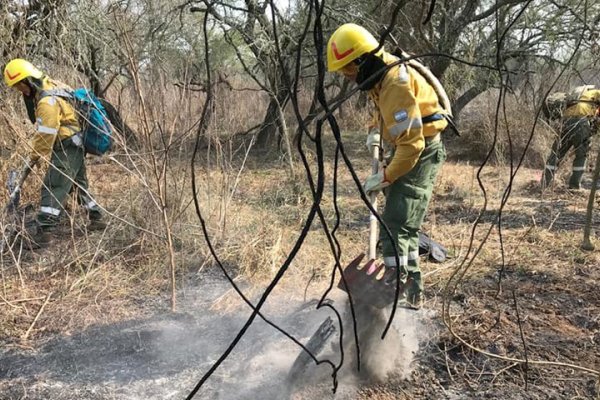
(432, 118)
(69, 141)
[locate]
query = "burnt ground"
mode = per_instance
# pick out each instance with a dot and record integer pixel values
(163, 356)
(539, 303)
(159, 357)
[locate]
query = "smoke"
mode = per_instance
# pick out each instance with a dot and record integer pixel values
(164, 356)
(380, 358)
(393, 354)
(260, 365)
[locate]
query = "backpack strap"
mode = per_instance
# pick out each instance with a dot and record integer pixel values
(65, 94)
(57, 92)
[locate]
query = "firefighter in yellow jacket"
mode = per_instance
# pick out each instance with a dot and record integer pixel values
(578, 125)
(410, 119)
(57, 140)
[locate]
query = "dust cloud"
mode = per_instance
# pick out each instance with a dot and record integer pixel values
(164, 356)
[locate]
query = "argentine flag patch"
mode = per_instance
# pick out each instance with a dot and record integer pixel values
(400, 116)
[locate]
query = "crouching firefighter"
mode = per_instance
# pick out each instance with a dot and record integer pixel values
(409, 119)
(57, 140)
(579, 123)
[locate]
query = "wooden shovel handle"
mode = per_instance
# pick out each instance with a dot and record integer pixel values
(373, 223)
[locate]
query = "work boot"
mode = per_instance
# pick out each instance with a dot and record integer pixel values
(547, 178)
(574, 188)
(96, 225)
(575, 180)
(34, 236)
(414, 289)
(415, 299)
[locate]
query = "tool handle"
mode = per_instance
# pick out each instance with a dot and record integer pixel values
(17, 183)
(373, 223)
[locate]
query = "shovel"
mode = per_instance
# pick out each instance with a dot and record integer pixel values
(14, 184)
(371, 283)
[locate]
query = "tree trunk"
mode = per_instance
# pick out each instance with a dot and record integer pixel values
(587, 231)
(268, 132)
(465, 99)
(117, 121)
(92, 72)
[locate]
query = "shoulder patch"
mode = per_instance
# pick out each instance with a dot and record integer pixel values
(400, 116)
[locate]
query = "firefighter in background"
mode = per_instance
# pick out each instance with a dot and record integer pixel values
(409, 119)
(56, 140)
(578, 125)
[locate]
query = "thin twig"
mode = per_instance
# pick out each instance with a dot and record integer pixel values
(522, 339)
(11, 302)
(26, 335)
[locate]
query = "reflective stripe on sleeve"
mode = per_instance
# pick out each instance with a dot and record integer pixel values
(50, 210)
(405, 125)
(578, 168)
(91, 205)
(551, 167)
(46, 129)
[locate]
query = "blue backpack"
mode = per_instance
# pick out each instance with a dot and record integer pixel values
(93, 118)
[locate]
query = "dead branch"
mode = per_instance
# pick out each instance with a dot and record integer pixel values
(26, 335)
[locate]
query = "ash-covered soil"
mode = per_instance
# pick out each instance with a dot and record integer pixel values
(161, 357)
(164, 356)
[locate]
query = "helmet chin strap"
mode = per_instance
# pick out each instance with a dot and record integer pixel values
(370, 65)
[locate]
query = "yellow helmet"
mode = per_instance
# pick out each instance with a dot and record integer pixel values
(347, 43)
(18, 69)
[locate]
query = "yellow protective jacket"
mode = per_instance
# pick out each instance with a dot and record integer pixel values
(588, 105)
(403, 98)
(55, 120)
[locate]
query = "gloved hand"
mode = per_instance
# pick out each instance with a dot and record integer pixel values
(376, 182)
(373, 138)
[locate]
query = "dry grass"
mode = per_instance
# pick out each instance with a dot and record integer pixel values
(255, 210)
(478, 128)
(255, 222)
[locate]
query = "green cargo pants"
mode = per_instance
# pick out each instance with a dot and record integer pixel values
(66, 173)
(576, 133)
(406, 202)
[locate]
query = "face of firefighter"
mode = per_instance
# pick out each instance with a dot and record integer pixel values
(23, 88)
(350, 71)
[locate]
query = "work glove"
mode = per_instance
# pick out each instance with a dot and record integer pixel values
(373, 138)
(376, 182)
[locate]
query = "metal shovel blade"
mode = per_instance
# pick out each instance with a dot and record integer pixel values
(370, 283)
